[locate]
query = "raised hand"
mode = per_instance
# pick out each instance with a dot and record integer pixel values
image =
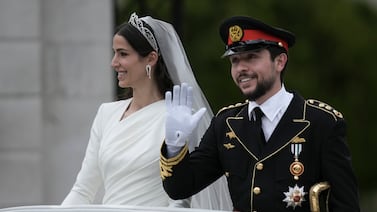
(180, 122)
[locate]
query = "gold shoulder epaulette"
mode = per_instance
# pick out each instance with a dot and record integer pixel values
(324, 107)
(232, 106)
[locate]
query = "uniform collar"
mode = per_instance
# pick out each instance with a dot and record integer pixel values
(273, 105)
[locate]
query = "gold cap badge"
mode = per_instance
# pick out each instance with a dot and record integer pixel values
(235, 33)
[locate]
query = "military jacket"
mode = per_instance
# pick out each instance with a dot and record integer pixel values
(307, 146)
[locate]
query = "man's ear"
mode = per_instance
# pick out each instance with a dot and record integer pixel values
(280, 61)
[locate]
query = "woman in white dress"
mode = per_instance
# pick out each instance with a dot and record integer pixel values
(123, 152)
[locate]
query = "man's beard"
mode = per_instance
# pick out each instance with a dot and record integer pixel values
(261, 89)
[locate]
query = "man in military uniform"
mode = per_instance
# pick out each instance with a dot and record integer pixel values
(272, 148)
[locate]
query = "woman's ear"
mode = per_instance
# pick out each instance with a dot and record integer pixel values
(152, 58)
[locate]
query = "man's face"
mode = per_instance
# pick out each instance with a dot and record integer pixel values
(257, 76)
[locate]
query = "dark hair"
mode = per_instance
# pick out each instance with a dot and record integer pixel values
(274, 52)
(140, 44)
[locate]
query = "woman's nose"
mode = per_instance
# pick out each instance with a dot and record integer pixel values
(114, 62)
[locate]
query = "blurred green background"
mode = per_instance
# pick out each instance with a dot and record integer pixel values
(334, 59)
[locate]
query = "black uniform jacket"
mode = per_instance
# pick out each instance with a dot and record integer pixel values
(263, 178)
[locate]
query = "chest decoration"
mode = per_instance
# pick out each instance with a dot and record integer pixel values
(295, 196)
(230, 135)
(229, 146)
(296, 168)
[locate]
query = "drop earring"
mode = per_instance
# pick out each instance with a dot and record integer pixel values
(148, 70)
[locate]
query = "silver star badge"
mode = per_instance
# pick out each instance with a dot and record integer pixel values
(295, 196)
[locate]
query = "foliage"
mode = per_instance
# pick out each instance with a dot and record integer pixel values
(333, 59)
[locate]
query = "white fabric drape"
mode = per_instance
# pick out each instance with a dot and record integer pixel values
(216, 196)
(123, 155)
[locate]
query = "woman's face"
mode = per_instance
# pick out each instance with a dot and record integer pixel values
(129, 65)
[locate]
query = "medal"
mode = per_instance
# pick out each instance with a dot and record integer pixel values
(295, 196)
(296, 168)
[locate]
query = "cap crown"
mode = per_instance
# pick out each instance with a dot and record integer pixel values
(242, 33)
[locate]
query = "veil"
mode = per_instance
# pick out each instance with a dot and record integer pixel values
(179, 67)
(216, 196)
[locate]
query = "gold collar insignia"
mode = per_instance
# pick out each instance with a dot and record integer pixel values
(229, 146)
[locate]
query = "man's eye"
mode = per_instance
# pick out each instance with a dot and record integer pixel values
(252, 56)
(234, 60)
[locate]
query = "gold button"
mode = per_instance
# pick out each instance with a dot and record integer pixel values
(256, 190)
(260, 166)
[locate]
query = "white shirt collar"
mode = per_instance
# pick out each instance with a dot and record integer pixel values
(274, 104)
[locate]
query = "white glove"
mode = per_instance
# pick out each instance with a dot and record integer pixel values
(180, 122)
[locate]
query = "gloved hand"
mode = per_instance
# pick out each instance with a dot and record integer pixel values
(180, 122)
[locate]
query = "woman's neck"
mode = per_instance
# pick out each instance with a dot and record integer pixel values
(142, 98)
(140, 101)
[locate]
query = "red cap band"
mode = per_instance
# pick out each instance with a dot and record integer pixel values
(250, 35)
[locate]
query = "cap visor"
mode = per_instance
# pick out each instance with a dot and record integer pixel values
(242, 49)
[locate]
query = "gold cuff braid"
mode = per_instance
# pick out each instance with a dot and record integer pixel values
(166, 164)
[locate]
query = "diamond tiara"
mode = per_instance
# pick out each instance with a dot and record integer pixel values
(139, 25)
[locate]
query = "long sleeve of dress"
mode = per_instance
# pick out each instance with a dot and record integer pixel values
(89, 178)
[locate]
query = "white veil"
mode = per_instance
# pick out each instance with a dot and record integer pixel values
(216, 196)
(178, 66)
